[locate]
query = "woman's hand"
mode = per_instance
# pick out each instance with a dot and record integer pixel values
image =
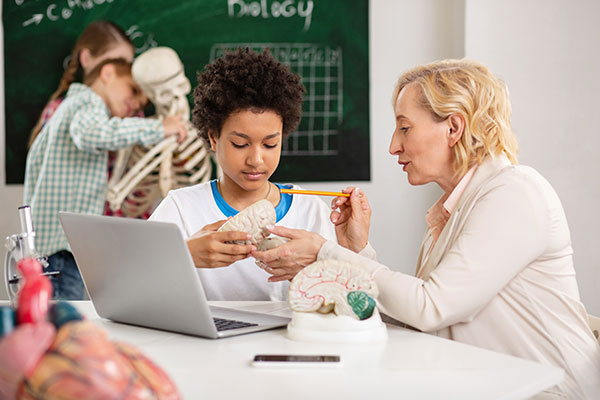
(352, 220)
(210, 249)
(285, 261)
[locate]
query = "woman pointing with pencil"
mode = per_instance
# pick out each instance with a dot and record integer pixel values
(495, 268)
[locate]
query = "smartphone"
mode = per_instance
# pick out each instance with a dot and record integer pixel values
(296, 360)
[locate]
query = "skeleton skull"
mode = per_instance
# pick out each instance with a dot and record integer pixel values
(160, 74)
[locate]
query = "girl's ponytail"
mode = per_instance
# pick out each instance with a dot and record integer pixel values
(99, 37)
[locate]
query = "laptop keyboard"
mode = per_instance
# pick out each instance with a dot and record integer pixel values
(228, 324)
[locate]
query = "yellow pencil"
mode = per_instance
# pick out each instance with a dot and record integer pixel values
(317, 192)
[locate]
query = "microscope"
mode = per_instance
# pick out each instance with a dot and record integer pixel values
(19, 246)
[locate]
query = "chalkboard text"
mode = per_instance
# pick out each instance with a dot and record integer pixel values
(285, 9)
(54, 13)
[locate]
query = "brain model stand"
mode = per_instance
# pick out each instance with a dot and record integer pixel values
(142, 176)
(334, 301)
(51, 352)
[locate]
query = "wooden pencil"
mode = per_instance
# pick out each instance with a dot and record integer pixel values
(315, 192)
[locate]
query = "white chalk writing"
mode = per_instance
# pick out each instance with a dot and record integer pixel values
(276, 9)
(55, 12)
(141, 41)
(35, 18)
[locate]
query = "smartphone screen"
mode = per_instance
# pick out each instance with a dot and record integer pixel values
(295, 360)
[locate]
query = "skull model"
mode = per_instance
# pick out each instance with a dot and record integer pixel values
(142, 176)
(160, 74)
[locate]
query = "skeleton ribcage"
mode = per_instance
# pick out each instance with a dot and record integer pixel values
(142, 176)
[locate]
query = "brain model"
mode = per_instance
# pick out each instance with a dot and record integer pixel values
(252, 220)
(332, 285)
(270, 243)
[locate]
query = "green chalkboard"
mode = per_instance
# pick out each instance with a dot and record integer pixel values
(325, 41)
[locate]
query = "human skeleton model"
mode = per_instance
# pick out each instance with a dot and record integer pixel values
(143, 175)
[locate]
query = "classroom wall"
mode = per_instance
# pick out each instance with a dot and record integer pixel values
(548, 52)
(408, 32)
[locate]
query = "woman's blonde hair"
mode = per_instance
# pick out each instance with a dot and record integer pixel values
(467, 88)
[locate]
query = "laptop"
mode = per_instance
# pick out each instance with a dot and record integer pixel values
(141, 273)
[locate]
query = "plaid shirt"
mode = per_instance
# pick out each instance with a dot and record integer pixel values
(66, 167)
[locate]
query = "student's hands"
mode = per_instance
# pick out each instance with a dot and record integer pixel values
(174, 125)
(353, 219)
(285, 261)
(210, 250)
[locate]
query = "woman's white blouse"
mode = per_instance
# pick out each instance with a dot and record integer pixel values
(501, 277)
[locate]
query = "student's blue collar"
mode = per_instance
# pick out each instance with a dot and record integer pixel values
(280, 210)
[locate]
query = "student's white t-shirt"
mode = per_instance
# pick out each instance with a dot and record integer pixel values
(191, 208)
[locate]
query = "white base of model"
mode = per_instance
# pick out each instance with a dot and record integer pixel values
(331, 328)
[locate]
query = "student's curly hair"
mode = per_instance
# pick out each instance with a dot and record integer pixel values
(245, 80)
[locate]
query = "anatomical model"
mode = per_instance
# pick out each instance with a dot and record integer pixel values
(334, 301)
(253, 220)
(333, 285)
(53, 353)
(142, 176)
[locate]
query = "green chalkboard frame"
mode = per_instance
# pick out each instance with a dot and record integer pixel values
(325, 41)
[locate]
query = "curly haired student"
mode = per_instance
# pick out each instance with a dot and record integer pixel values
(245, 105)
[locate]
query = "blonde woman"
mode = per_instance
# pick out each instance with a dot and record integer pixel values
(495, 268)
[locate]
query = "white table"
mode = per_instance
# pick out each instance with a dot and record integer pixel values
(409, 365)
